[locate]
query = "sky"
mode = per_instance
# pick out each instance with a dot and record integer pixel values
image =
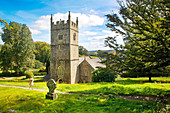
(36, 15)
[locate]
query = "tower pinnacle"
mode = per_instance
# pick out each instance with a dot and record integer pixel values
(69, 16)
(77, 21)
(51, 18)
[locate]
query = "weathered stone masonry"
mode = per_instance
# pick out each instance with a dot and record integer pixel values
(64, 50)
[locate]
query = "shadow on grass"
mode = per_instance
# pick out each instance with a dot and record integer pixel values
(122, 82)
(120, 90)
(130, 81)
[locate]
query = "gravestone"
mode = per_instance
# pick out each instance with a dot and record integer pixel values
(51, 84)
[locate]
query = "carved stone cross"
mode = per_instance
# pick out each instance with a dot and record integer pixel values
(51, 84)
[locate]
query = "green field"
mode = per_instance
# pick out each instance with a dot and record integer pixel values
(28, 101)
(132, 86)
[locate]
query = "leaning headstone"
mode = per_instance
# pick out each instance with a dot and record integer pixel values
(51, 84)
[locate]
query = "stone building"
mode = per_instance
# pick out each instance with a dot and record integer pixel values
(86, 66)
(65, 64)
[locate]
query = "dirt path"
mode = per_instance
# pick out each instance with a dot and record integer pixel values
(127, 97)
(33, 89)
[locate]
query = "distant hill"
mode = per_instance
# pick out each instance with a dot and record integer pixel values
(101, 50)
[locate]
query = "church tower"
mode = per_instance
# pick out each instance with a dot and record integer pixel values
(64, 57)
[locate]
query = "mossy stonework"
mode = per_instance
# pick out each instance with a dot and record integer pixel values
(51, 84)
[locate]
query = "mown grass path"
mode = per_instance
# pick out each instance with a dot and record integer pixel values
(127, 97)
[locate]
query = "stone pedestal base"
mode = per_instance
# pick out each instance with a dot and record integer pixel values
(51, 96)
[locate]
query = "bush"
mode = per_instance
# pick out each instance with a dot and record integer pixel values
(103, 75)
(144, 74)
(29, 74)
(128, 74)
(8, 74)
(38, 64)
(5, 74)
(40, 73)
(42, 69)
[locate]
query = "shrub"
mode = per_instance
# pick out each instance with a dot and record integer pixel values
(42, 69)
(5, 74)
(40, 73)
(128, 74)
(8, 74)
(103, 75)
(38, 64)
(144, 74)
(29, 74)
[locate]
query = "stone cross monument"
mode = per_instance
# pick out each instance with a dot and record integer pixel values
(51, 84)
(64, 56)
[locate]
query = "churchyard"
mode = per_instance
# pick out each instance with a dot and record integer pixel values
(86, 84)
(86, 97)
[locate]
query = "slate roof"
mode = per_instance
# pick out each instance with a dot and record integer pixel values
(94, 62)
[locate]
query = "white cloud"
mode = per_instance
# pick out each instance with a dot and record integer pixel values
(43, 23)
(107, 34)
(89, 20)
(93, 11)
(42, 37)
(94, 46)
(106, 31)
(86, 33)
(98, 38)
(35, 32)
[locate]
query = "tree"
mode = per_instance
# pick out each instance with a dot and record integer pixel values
(101, 53)
(42, 51)
(6, 58)
(18, 47)
(144, 27)
(83, 51)
(38, 64)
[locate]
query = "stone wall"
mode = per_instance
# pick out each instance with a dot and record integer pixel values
(85, 70)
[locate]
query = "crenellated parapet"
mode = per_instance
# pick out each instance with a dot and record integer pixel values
(64, 24)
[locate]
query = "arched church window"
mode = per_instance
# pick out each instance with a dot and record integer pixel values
(74, 36)
(60, 71)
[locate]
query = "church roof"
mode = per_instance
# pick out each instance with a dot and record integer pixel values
(94, 62)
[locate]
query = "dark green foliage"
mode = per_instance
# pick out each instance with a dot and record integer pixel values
(102, 75)
(143, 25)
(39, 73)
(38, 64)
(144, 74)
(8, 74)
(101, 53)
(47, 65)
(29, 74)
(42, 51)
(83, 51)
(17, 51)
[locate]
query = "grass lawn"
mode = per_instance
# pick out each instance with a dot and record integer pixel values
(28, 101)
(126, 86)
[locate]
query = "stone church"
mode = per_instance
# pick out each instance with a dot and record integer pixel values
(65, 64)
